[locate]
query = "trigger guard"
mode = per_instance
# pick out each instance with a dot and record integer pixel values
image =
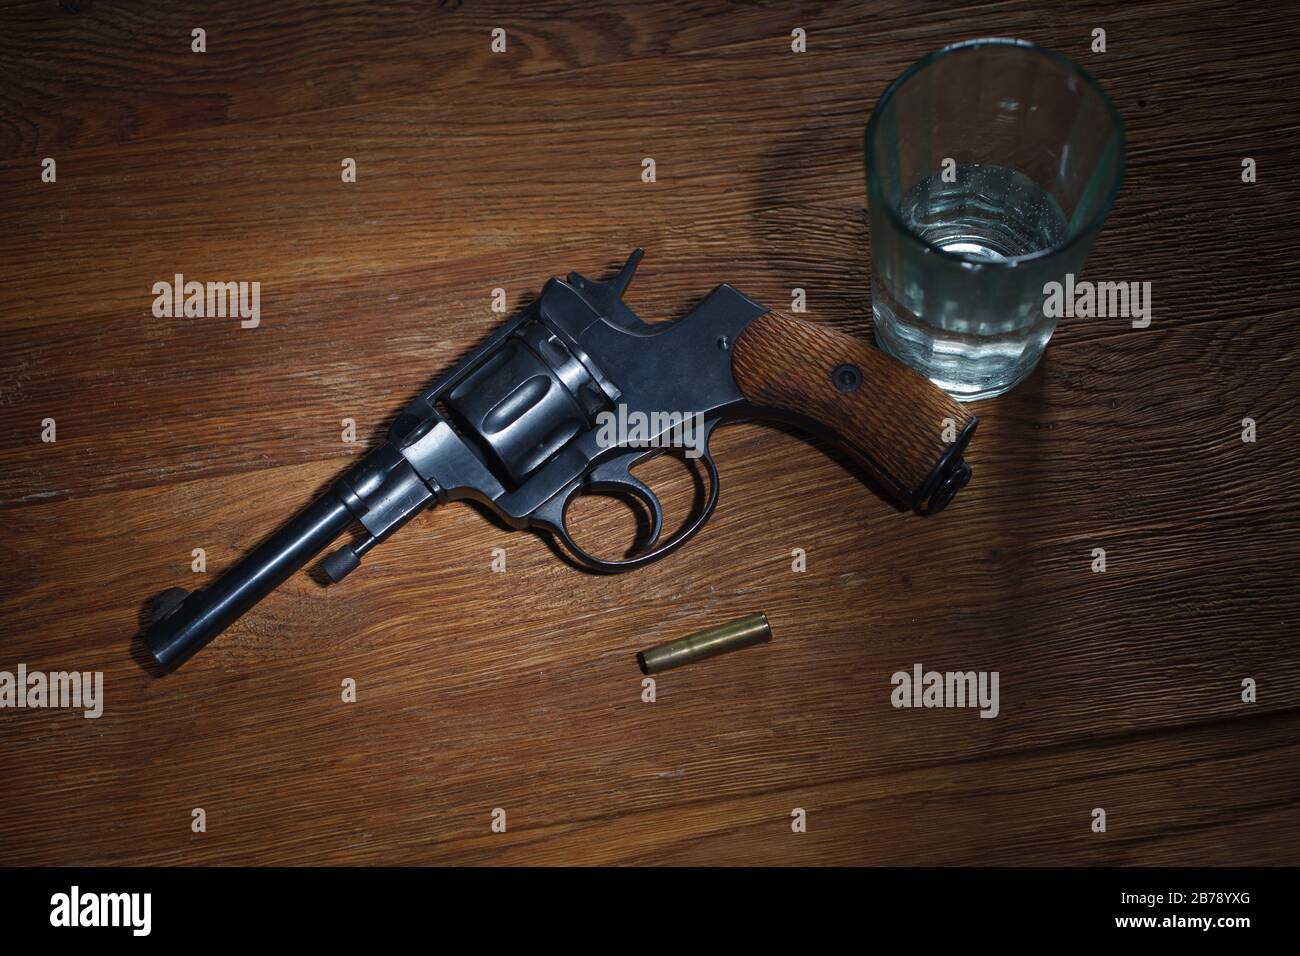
(554, 521)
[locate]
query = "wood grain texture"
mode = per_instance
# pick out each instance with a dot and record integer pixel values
(886, 413)
(477, 689)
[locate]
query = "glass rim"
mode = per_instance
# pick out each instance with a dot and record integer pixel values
(875, 196)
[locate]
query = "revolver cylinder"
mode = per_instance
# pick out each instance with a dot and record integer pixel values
(527, 401)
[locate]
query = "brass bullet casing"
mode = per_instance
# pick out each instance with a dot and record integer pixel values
(732, 636)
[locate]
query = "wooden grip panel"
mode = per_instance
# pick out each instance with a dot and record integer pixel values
(888, 414)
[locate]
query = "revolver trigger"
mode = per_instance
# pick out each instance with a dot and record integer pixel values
(615, 476)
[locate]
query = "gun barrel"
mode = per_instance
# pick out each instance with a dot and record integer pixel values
(187, 627)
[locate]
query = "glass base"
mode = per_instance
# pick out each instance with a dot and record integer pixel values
(966, 367)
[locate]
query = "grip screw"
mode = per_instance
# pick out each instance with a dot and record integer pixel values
(846, 377)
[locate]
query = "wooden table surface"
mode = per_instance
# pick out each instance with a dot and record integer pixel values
(479, 690)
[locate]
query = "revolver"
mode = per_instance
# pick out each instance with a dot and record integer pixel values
(522, 425)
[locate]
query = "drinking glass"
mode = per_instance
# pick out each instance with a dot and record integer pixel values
(991, 166)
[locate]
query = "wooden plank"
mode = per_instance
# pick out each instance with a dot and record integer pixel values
(361, 347)
(519, 690)
(471, 697)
